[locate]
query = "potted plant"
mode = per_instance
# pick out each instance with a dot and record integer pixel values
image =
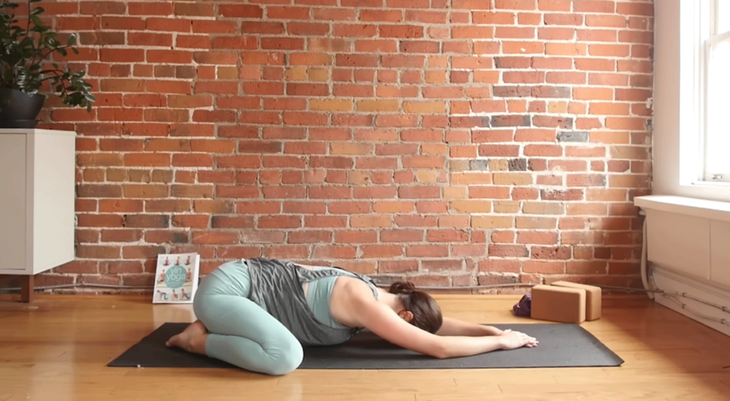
(26, 62)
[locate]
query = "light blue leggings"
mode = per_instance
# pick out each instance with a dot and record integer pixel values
(241, 332)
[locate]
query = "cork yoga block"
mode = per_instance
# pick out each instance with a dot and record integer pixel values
(558, 304)
(593, 298)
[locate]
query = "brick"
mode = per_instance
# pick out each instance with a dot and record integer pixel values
(514, 32)
(432, 17)
(566, 49)
(334, 251)
(381, 251)
(401, 31)
(415, 251)
(563, 19)
(147, 221)
(309, 237)
(61, 8)
(150, 8)
(419, 47)
(85, 220)
(552, 252)
(119, 205)
(512, 251)
(472, 206)
(550, 91)
(381, 15)
(334, 14)
(512, 179)
(215, 237)
(492, 222)
(98, 252)
(405, 62)
(168, 24)
(592, 6)
(567, 165)
(524, 77)
(537, 237)
(644, 9)
(515, 4)
(511, 91)
(472, 32)
(101, 39)
(241, 11)
(606, 50)
(597, 35)
(279, 43)
(554, 5)
(167, 237)
(612, 21)
(103, 8)
(572, 136)
(556, 33)
(510, 121)
(397, 266)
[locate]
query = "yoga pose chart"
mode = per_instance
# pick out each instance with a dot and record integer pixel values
(176, 278)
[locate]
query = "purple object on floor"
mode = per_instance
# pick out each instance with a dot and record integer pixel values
(523, 307)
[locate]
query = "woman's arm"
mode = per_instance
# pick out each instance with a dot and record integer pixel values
(454, 327)
(381, 320)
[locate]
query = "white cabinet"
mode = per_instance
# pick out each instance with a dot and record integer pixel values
(679, 242)
(37, 196)
(720, 252)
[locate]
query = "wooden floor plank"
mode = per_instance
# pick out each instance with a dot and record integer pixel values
(57, 348)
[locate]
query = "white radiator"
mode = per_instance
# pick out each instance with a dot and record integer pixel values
(688, 256)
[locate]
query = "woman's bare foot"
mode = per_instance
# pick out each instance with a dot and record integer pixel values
(192, 339)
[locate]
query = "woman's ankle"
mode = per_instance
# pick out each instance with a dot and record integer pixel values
(197, 344)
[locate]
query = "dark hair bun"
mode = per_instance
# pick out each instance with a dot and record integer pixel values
(401, 287)
(426, 312)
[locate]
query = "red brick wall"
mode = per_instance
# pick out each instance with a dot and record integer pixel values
(458, 142)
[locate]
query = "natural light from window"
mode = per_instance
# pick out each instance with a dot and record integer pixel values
(717, 140)
(723, 12)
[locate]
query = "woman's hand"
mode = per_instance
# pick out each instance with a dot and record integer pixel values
(514, 339)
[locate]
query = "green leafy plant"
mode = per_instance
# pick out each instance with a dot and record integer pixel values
(24, 57)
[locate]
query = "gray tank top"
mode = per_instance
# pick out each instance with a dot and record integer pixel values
(276, 286)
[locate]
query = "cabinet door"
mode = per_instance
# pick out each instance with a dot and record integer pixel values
(679, 242)
(13, 202)
(54, 162)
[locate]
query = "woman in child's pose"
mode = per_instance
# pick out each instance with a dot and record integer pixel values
(258, 313)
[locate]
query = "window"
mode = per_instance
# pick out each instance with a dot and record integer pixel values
(716, 58)
(690, 41)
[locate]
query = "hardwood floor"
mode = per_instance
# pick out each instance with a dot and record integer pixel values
(57, 349)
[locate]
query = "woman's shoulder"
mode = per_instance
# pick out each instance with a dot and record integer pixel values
(349, 296)
(355, 286)
(352, 293)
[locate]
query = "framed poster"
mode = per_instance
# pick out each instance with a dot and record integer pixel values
(176, 278)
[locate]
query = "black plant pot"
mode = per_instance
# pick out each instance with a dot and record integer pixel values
(18, 109)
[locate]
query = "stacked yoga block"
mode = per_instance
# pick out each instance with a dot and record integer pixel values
(566, 302)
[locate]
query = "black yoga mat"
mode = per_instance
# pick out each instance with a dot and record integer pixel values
(561, 345)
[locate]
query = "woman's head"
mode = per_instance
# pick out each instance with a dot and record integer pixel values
(426, 313)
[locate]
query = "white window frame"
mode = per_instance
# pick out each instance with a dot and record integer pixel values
(687, 177)
(678, 121)
(709, 37)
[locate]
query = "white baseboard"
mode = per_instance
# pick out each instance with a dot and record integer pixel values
(671, 281)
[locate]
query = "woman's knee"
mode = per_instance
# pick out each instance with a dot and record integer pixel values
(286, 358)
